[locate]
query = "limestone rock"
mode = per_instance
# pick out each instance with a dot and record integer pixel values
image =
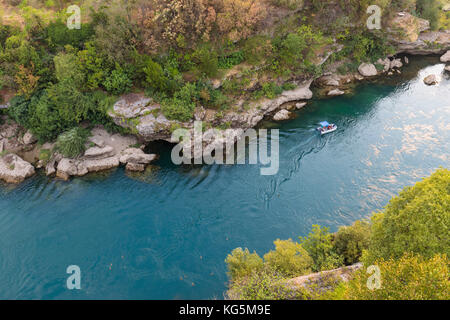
(396, 63)
(28, 138)
(135, 155)
(14, 169)
(70, 167)
(99, 153)
(367, 70)
(446, 57)
(101, 164)
(97, 141)
(300, 105)
(282, 115)
(336, 92)
(137, 167)
(431, 80)
(332, 80)
(447, 68)
(386, 63)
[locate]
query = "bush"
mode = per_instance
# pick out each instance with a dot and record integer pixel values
(242, 263)
(206, 60)
(72, 143)
(350, 241)
(319, 245)
(429, 10)
(264, 285)
(411, 277)
(118, 81)
(58, 35)
(416, 221)
(181, 107)
(289, 259)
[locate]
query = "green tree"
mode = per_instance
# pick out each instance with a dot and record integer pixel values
(319, 245)
(350, 241)
(416, 221)
(242, 263)
(411, 277)
(289, 259)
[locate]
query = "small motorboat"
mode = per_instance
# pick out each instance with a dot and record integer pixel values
(326, 127)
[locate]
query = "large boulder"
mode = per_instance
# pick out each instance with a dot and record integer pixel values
(396, 63)
(102, 164)
(367, 70)
(70, 167)
(447, 68)
(135, 155)
(28, 138)
(446, 57)
(386, 63)
(99, 153)
(431, 80)
(282, 115)
(14, 169)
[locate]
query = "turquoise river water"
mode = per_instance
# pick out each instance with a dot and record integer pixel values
(165, 234)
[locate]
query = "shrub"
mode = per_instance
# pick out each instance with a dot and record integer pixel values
(411, 277)
(58, 35)
(429, 10)
(118, 81)
(206, 60)
(350, 241)
(289, 259)
(319, 245)
(181, 107)
(72, 143)
(416, 221)
(242, 263)
(264, 285)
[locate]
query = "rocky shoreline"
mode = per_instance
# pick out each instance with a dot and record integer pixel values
(144, 119)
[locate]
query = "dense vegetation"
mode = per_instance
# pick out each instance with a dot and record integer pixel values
(409, 241)
(171, 50)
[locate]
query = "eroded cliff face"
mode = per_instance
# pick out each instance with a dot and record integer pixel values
(412, 35)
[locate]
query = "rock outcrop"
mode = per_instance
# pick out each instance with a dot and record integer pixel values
(14, 169)
(146, 119)
(321, 279)
(109, 151)
(367, 70)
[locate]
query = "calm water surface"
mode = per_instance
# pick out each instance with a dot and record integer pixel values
(165, 235)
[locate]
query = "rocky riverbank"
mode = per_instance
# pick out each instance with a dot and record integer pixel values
(20, 153)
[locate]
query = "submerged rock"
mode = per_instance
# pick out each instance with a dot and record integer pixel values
(431, 80)
(367, 70)
(300, 105)
(336, 92)
(14, 169)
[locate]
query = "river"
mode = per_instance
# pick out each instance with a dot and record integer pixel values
(165, 234)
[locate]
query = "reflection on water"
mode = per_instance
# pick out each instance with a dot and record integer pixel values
(165, 234)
